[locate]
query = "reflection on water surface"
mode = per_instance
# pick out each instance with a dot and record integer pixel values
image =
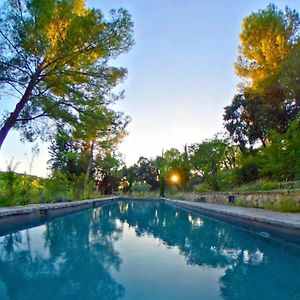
(143, 250)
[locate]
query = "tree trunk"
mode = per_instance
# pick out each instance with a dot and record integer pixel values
(263, 142)
(297, 102)
(12, 119)
(90, 166)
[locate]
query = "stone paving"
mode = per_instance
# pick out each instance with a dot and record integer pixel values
(30, 208)
(288, 220)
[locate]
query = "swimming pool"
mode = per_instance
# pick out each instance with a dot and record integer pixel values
(145, 250)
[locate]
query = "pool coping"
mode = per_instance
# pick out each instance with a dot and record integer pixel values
(283, 225)
(277, 224)
(35, 214)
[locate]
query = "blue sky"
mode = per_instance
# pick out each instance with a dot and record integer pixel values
(180, 74)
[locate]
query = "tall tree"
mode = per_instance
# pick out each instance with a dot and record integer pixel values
(177, 163)
(268, 60)
(109, 170)
(249, 118)
(100, 131)
(267, 40)
(207, 158)
(54, 58)
(96, 136)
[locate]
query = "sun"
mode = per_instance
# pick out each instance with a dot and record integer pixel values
(174, 178)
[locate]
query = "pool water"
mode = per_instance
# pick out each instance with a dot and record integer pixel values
(145, 250)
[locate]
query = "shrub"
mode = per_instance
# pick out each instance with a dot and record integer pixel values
(140, 187)
(287, 205)
(248, 169)
(58, 187)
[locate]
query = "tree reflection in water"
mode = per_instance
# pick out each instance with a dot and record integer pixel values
(68, 258)
(255, 268)
(72, 257)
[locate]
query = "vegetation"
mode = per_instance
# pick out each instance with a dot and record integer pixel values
(258, 150)
(54, 60)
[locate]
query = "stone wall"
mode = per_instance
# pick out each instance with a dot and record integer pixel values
(265, 199)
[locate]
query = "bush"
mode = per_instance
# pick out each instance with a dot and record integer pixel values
(258, 185)
(269, 186)
(204, 187)
(18, 189)
(248, 170)
(140, 187)
(58, 187)
(285, 205)
(61, 198)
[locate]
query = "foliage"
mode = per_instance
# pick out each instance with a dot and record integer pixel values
(282, 155)
(145, 170)
(19, 189)
(267, 39)
(286, 205)
(176, 163)
(58, 187)
(249, 118)
(54, 58)
(66, 155)
(248, 168)
(265, 109)
(141, 187)
(207, 159)
(109, 171)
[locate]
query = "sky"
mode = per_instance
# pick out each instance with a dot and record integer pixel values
(180, 75)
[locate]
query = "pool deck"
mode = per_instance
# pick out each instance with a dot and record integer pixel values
(32, 208)
(278, 223)
(35, 214)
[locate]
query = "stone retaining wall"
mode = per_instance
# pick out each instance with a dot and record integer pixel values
(265, 199)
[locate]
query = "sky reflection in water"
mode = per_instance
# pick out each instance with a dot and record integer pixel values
(141, 250)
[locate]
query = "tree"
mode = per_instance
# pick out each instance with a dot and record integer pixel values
(207, 158)
(54, 59)
(100, 132)
(289, 79)
(281, 159)
(147, 172)
(267, 40)
(249, 118)
(109, 170)
(67, 155)
(177, 162)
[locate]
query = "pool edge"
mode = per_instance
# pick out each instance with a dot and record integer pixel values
(259, 223)
(35, 214)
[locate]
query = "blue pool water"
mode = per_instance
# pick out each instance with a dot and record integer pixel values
(143, 251)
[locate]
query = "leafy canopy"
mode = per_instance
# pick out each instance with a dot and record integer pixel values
(267, 39)
(54, 59)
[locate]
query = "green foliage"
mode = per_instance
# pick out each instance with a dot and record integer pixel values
(56, 54)
(66, 155)
(109, 171)
(249, 118)
(267, 39)
(140, 187)
(268, 100)
(282, 155)
(288, 205)
(145, 170)
(58, 188)
(19, 189)
(206, 158)
(204, 188)
(256, 186)
(285, 205)
(248, 169)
